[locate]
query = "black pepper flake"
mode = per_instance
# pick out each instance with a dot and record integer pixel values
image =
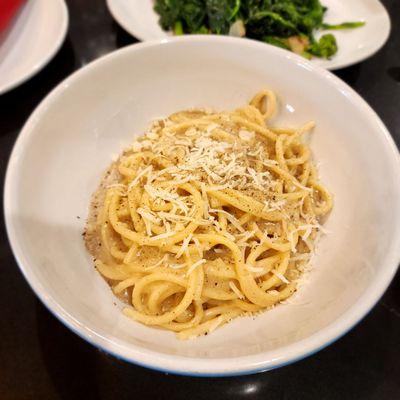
(78, 217)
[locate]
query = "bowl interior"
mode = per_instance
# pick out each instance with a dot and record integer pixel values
(73, 136)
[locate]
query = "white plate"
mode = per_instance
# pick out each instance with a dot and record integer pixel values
(98, 110)
(32, 40)
(138, 18)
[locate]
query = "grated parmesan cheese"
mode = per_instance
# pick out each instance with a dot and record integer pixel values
(246, 135)
(163, 235)
(177, 266)
(140, 175)
(184, 246)
(195, 265)
(280, 276)
(218, 321)
(199, 247)
(147, 214)
(236, 290)
(231, 218)
(164, 259)
(250, 268)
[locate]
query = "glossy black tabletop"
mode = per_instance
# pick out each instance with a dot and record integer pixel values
(42, 359)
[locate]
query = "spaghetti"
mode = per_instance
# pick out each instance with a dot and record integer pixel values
(208, 216)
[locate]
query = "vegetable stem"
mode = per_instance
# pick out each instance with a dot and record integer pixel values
(178, 28)
(344, 25)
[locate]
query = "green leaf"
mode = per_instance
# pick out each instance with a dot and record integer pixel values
(220, 13)
(235, 9)
(169, 12)
(267, 23)
(276, 42)
(193, 14)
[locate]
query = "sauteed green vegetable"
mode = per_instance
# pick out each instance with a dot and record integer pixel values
(290, 24)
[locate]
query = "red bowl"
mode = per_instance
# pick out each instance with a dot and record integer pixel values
(8, 9)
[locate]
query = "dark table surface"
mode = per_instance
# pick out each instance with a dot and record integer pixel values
(42, 359)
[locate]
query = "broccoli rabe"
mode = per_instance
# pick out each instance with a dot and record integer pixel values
(326, 46)
(289, 24)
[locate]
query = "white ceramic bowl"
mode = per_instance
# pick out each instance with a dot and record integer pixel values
(70, 139)
(32, 40)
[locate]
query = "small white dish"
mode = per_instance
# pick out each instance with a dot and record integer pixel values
(97, 111)
(139, 19)
(31, 41)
